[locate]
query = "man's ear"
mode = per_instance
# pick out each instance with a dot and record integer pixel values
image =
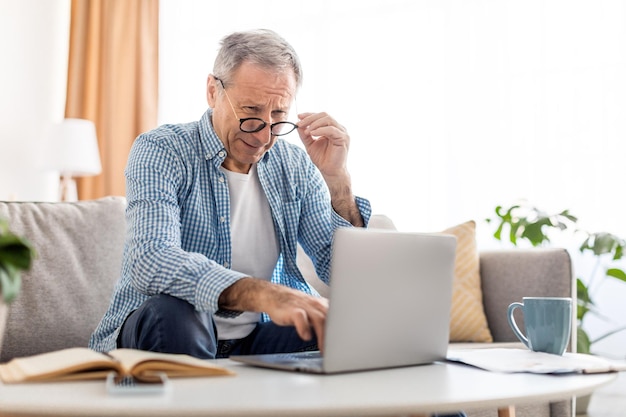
(211, 90)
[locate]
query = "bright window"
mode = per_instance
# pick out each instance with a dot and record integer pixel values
(453, 106)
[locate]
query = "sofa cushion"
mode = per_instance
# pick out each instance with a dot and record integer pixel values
(65, 294)
(468, 322)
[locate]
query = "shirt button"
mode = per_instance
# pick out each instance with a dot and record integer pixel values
(222, 219)
(221, 179)
(225, 264)
(221, 154)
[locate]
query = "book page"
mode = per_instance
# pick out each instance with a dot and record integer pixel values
(83, 363)
(73, 363)
(141, 364)
(525, 360)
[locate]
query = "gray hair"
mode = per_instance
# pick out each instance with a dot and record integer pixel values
(262, 46)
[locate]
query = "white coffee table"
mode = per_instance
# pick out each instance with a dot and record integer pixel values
(265, 393)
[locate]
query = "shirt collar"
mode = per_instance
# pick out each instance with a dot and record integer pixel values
(212, 146)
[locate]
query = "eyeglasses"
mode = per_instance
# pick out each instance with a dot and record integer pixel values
(254, 124)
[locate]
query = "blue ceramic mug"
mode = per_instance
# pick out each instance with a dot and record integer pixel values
(548, 323)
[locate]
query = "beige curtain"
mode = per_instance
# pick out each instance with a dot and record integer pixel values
(112, 80)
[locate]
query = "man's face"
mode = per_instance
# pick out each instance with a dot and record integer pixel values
(254, 91)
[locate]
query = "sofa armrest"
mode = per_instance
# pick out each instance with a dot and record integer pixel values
(66, 292)
(509, 275)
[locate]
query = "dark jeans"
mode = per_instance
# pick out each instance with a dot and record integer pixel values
(167, 324)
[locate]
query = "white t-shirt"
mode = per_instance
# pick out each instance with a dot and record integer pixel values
(255, 247)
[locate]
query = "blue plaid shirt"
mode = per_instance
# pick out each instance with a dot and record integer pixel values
(178, 221)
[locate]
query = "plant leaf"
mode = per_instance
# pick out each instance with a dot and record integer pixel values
(568, 216)
(616, 273)
(513, 233)
(15, 250)
(601, 243)
(583, 299)
(10, 283)
(583, 344)
(534, 231)
(498, 232)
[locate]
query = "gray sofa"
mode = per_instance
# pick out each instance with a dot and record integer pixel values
(80, 246)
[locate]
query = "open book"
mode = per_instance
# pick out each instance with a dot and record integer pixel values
(83, 363)
(525, 360)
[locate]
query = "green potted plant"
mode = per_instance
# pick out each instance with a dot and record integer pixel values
(16, 255)
(527, 223)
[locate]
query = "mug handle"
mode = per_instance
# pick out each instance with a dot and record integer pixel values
(513, 324)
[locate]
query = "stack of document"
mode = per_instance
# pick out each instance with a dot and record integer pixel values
(524, 360)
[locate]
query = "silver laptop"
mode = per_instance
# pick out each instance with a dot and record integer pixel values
(390, 299)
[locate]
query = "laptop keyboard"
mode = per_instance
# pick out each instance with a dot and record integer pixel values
(298, 356)
(301, 361)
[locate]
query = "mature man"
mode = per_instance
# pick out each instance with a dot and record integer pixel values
(216, 209)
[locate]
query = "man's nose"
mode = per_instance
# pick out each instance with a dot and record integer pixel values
(263, 136)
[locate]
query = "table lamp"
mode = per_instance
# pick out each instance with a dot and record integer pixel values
(72, 150)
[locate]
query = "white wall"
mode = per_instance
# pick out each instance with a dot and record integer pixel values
(34, 48)
(453, 106)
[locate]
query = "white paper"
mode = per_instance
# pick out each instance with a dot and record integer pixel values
(525, 360)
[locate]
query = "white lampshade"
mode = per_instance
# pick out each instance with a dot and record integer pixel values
(72, 148)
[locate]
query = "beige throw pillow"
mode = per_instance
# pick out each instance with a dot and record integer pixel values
(468, 322)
